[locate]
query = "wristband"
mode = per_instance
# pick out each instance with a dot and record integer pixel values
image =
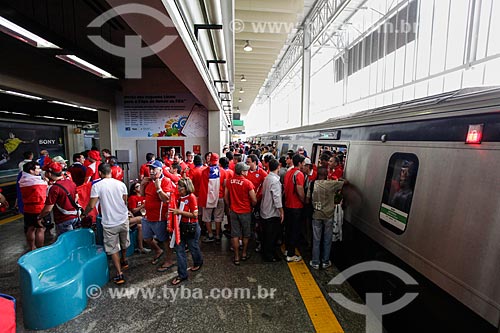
(158, 191)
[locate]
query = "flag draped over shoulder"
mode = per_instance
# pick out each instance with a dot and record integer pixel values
(213, 187)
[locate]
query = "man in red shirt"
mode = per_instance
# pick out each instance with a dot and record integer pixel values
(189, 160)
(77, 169)
(211, 197)
(65, 214)
(144, 169)
(240, 197)
(335, 169)
(116, 170)
(169, 159)
(294, 204)
(94, 158)
(256, 174)
(157, 189)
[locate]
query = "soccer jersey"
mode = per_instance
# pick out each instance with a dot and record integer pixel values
(238, 188)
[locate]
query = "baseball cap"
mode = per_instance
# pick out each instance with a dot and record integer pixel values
(54, 167)
(307, 161)
(59, 159)
(241, 167)
(155, 164)
(214, 159)
(94, 154)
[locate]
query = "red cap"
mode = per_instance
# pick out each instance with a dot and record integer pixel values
(214, 159)
(54, 167)
(94, 154)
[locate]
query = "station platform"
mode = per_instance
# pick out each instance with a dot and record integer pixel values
(253, 297)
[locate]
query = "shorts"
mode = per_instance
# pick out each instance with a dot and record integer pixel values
(30, 220)
(240, 224)
(114, 236)
(218, 212)
(154, 229)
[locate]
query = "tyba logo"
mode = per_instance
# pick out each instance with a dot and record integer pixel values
(132, 52)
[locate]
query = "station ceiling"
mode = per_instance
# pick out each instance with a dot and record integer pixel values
(267, 26)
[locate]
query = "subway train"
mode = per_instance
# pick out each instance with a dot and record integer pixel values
(424, 186)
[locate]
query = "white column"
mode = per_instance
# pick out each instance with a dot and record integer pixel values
(306, 76)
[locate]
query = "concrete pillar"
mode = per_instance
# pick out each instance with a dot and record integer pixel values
(306, 76)
(215, 136)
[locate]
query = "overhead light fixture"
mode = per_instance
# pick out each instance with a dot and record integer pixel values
(86, 66)
(242, 91)
(15, 113)
(24, 35)
(243, 78)
(73, 105)
(15, 93)
(240, 100)
(247, 47)
(238, 108)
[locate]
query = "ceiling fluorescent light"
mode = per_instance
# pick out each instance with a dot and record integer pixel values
(24, 35)
(87, 108)
(243, 78)
(65, 104)
(240, 100)
(247, 47)
(15, 93)
(242, 91)
(87, 66)
(73, 105)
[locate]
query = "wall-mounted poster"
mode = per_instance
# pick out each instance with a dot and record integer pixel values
(161, 115)
(17, 138)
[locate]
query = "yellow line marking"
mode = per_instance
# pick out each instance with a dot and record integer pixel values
(318, 308)
(10, 219)
(8, 183)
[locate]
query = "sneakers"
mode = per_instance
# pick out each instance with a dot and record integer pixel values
(142, 251)
(325, 265)
(293, 259)
(119, 279)
(208, 239)
(315, 266)
(124, 264)
(258, 248)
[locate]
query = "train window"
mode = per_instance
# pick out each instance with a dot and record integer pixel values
(398, 191)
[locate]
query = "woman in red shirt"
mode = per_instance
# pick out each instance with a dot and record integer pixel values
(187, 217)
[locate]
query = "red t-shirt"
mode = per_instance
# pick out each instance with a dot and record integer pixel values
(188, 203)
(291, 197)
(336, 173)
(190, 165)
(196, 179)
(58, 196)
(156, 210)
(257, 179)
(238, 188)
(135, 201)
(117, 172)
(144, 170)
(232, 165)
(229, 174)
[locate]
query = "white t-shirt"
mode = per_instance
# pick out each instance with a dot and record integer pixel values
(110, 193)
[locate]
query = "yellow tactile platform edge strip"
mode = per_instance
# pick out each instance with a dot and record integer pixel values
(10, 219)
(319, 310)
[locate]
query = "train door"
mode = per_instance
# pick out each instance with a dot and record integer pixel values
(340, 149)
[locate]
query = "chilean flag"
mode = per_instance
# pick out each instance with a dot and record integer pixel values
(213, 187)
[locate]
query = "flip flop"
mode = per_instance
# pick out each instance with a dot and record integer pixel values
(162, 269)
(176, 280)
(195, 268)
(236, 262)
(156, 259)
(245, 258)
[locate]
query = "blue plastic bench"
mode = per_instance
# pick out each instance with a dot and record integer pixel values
(54, 279)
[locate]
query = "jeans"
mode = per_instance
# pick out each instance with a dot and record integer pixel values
(324, 227)
(194, 246)
(66, 226)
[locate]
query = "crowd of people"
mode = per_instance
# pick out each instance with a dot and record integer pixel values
(264, 198)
